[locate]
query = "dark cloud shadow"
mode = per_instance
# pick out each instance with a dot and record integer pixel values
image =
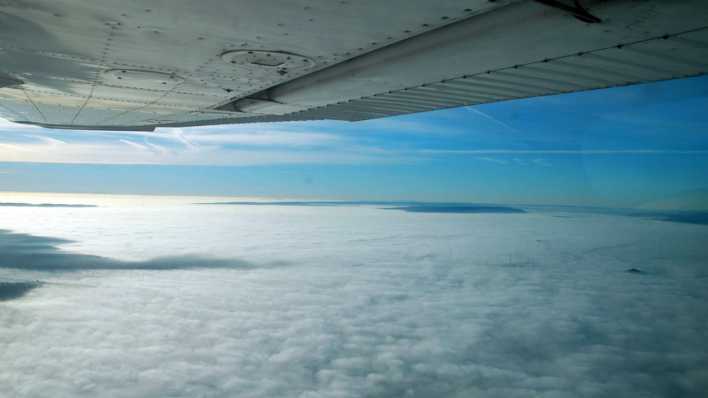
(688, 217)
(680, 216)
(458, 209)
(317, 203)
(38, 253)
(408, 206)
(14, 290)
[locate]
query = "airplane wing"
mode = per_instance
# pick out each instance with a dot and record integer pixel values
(137, 65)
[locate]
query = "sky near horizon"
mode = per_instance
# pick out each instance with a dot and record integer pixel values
(635, 146)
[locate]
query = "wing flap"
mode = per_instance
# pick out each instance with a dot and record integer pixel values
(658, 58)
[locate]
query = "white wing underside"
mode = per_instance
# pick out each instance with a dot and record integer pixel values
(139, 65)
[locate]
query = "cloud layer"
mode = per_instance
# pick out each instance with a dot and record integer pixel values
(404, 304)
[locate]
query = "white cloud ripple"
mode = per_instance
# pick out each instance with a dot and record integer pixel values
(439, 309)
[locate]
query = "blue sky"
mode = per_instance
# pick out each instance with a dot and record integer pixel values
(636, 146)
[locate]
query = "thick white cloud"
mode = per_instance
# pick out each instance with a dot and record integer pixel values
(355, 302)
